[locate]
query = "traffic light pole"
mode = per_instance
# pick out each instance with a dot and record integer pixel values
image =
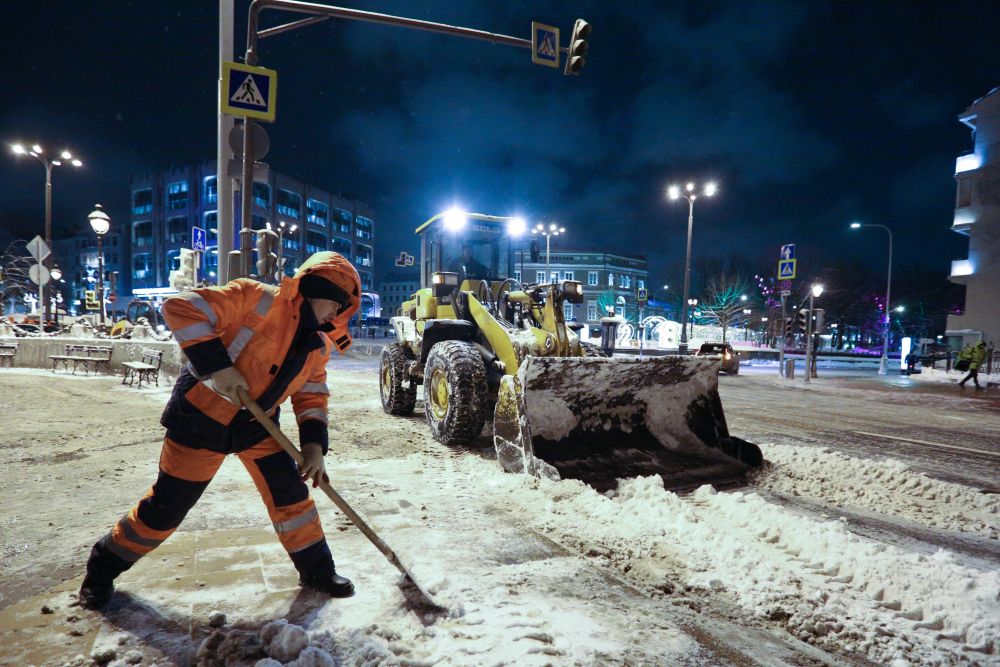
(783, 340)
(809, 339)
(321, 13)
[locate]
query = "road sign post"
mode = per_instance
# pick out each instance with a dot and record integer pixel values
(251, 92)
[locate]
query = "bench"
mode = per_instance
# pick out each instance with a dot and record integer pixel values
(83, 356)
(7, 352)
(147, 367)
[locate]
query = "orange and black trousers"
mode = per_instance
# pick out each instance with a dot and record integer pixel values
(185, 473)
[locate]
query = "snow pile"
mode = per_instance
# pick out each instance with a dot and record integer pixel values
(826, 585)
(280, 643)
(886, 486)
(951, 377)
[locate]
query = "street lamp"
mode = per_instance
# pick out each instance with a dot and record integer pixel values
(548, 232)
(884, 362)
(814, 292)
(100, 223)
(281, 241)
(56, 275)
(674, 192)
(691, 303)
(36, 151)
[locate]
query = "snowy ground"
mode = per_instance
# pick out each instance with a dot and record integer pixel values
(867, 539)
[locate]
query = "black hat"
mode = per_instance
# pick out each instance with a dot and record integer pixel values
(315, 286)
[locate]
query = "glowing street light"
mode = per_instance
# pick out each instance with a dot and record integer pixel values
(548, 232)
(517, 226)
(100, 223)
(674, 193)
(455, 219)
(884, 361)
(814, 293)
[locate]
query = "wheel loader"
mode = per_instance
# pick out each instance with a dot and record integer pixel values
(489, 348)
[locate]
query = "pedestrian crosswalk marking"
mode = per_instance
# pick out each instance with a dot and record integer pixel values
(249, 93)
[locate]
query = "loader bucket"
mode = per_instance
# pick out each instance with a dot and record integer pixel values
(599, 420)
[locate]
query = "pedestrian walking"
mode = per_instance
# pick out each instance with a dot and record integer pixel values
(274, 342)
(975, 355)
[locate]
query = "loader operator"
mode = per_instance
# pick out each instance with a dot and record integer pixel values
(468, 266)
(274, 342)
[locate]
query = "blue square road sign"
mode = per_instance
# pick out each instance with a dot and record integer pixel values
(544, 44)
(198, 239)
(250, 92)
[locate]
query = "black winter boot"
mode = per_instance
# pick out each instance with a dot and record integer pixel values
(95, 592)
(330, 583)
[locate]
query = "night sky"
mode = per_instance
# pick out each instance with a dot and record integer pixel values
(807, 114)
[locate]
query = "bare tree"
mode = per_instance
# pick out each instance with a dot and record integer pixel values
(727, 294)
(15, 281)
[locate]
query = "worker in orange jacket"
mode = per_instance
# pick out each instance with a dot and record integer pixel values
(274, 342)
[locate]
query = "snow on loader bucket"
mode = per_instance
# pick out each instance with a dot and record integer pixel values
(599, 420)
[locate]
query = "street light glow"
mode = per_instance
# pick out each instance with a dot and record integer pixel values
(689, 187)
(817, 290)
(900, 309)
(517, 226)
(855, 225)
(66, 155)
(454, 218)
(57, 163)
(710, 189)
(18, 149)
(673, 192)
(36, 148)
(76, 163)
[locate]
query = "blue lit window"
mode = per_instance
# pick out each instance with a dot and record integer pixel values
(364, 256)
(177, 195)
(317, 212)
(342, 246)
(315, 242)
(173, 260)
(592, 279)
(262, 195)
(363, 227)
(289, 203)
(177, 230)
(141, 269)
(342, 221)
(142, 202)
(142, 234)
(210, 221)
(211, 190)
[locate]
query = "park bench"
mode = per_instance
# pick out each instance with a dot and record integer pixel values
(83, 356)
(147, 367)
(7, 352)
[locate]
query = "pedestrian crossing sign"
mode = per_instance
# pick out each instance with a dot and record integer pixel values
(786, 269)
(251, 92)
(544, 44)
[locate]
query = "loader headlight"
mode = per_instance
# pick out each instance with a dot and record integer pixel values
(573, 291)
(445, 278)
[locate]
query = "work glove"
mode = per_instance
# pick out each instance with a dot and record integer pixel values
(225, 382)
(312, 465)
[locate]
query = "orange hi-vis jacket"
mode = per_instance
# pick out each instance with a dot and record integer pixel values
(271, 339)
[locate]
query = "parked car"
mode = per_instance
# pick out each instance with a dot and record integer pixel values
(724, 351)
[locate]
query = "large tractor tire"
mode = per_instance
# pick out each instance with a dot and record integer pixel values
(455, 392)
(396, 398)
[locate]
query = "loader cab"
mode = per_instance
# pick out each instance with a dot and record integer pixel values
(475, 246)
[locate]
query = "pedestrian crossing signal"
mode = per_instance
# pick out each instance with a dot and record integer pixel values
(90, 300)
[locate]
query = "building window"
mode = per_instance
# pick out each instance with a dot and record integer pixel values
(567, 311)
(258, 221)
(364, 256)
(177, 195)
(317, 212)
(261, 195)
(211, 223)
(964, 192)
(342, 246)
(540, 277)
(142, 234)
(591, 311)
(363, 228)
(567, 275)
(142, 202)
(141, 269)
(177, 230)
(315, 242)
(173, 260)
(366, 281)
(592, 278)
(611, 280)
(211, 190)
(517, 276)
(289, 203)
(212, 262)
(342, 221)
(640, 283)
(290, 241)
(626, 281)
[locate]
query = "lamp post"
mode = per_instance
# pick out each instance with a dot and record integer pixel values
(814, 292)
(100, 223)
(674, 193)
(281, 242)
(691, 303)
(36, 151)
(884, 362)
(548, 232)
(746, 322)
(56, 275)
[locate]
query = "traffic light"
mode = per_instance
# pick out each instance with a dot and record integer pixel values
(575, 59)
(801, 319)
(818, 317)
(183, 278)
(267, 259)
(788, 327)
(90, 300)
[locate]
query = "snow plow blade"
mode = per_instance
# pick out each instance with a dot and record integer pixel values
(599, 420)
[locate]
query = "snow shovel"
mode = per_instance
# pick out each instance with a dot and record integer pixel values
(372, 536)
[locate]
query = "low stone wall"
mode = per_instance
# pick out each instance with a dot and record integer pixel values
(35, 352)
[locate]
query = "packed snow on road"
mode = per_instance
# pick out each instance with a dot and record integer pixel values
(830, 555)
